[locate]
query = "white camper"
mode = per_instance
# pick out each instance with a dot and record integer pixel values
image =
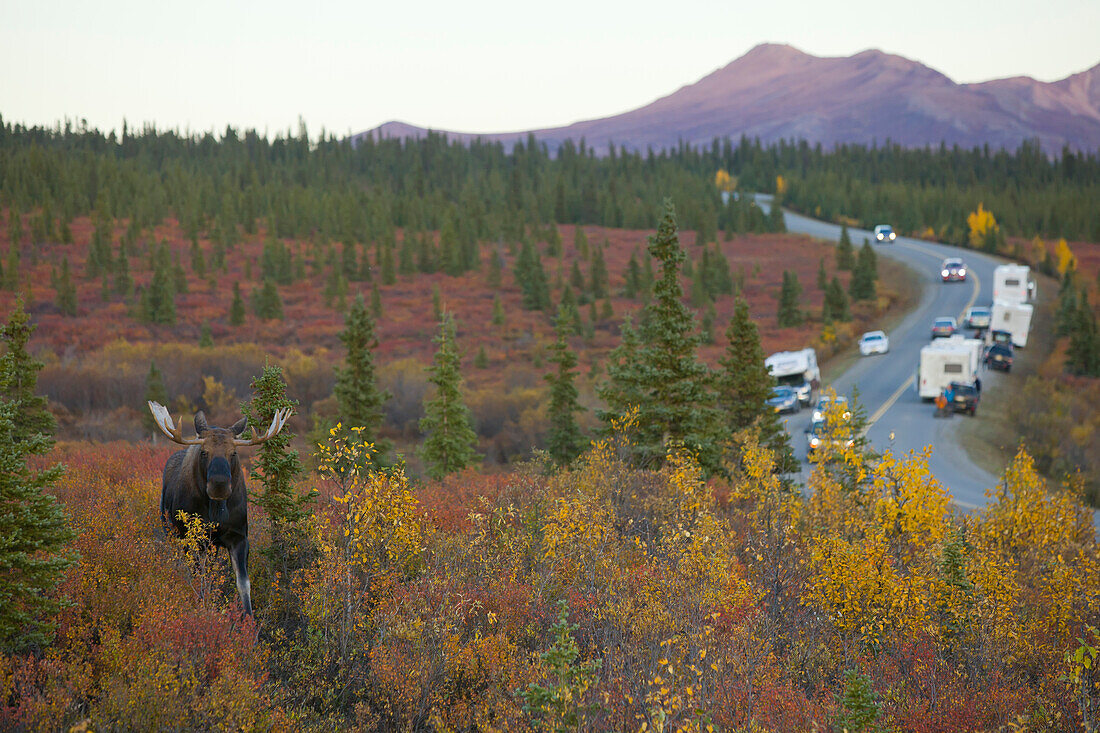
(1013, 284)
(797, 370)
(1015, 318)
(943, 363)
(976, 347)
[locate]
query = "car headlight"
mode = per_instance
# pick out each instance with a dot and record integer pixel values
(893, 236)
(944, 273)
(814, 442)
(962, 271)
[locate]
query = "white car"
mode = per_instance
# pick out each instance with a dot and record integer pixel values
(885, 233)
(874, 342)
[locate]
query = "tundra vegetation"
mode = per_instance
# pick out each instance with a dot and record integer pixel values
(628, 579)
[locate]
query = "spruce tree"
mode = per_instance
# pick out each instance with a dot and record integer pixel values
(494, 275)
(744, 384)
(597, 273)
(206, 338)
(158, 303)
(236, 308)
(276, 466)
(11, 269)
(776, 222)
(1083, 354)
(375, 302)
(155, 391)
(124, 284)
(451, 441)
(835, 307)
(845, 255)
(789, 313)
(357, 394)
(822, 277)
(66, 290)
(531, 278)
(34, 552)
(36, 535)
(19, 379)
(566, 441)
(862, 285)
(676, 404)
(498, 317)
(266, 302)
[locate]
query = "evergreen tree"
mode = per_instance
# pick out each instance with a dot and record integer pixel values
(236, 308)
(276, 467)
(66, 290)
(11, 269)
(566, 441)
(597, 273)
(633, 278)
(1083, 354)
(789, 312)
(198, 262)
(124, 283)
(375, 302)
(451, 441)
(206, 338)
(859, 705)
(775, 221)
(481, 359)
(158, 303)
(498, 318)
(387, 266)
(357, 394)
(822, 276)
(494, 276)
(862, 285)
(744, 384)
(531, 278)
(576, 279)
(677, 404)
(36, 534)
(845, 255)
(835, 306)
(580, 242)
(623, 389)
(567, 308)
(266, 302)
(19, 379)
(155, 391)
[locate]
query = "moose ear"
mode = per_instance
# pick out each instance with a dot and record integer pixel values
(200, 423)
(239, 426)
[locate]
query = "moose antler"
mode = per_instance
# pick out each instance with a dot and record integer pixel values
(169, 428)
(276, 425)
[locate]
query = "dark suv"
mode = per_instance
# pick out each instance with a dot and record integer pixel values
(999, 356)
(966, 397)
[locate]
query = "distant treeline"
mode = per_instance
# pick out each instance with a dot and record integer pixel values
(329, 188)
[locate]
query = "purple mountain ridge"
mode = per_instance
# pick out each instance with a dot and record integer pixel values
(778, 92)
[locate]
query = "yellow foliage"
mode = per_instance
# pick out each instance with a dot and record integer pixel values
(724, 181)
(1038, 250)
(1066, 260)
(219, 399)
(982, 226)
(780, 185)
(910, 504)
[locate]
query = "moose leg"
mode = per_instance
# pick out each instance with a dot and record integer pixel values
(239, 556)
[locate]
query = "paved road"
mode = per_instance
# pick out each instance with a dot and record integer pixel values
(885, 382)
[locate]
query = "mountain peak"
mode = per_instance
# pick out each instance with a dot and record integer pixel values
(777, 92)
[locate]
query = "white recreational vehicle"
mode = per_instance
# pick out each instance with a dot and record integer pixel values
(976, 347)
(1015, 318)
(942, 363)
(797, 370)
(1013, 284)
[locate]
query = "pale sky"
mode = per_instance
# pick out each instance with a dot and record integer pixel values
(471, 66)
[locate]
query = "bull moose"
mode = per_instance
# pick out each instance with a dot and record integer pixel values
(206, 480)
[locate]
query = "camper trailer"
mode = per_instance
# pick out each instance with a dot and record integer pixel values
(943, 363)
(797, 370)
(976, 347)
(1013, 284)
(1015, 318)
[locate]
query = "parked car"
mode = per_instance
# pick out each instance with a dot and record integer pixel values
(784, 399)
(953, 269)
(821, 409)
(885, 233)
(944, 326)
(966, 397)
(978, 318)
(874, 342)
(999, 356)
